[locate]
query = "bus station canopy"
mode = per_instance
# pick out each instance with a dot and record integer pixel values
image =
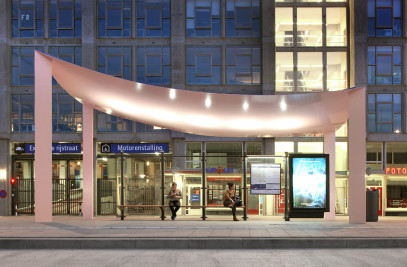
(213, 114)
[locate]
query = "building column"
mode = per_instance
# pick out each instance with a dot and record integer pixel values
(43, 138)
(268, 68)
(87, 136)
(329, 148)
(178, 44)
(357, 156)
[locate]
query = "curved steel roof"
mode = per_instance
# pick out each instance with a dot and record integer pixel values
(225, 115)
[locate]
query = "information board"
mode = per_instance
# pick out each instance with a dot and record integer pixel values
(265, 179)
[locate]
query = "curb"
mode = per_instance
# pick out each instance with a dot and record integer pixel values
(200, 243)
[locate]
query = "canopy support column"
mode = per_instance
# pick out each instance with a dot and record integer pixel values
(87, 136)
(43, 138)
(357, 156)
(329, 148)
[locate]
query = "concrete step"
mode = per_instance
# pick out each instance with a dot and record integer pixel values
(200, 243)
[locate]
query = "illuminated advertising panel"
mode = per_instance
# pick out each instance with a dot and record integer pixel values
(309, 182)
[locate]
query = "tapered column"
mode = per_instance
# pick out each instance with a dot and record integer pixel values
(329, 148)
(43, 138)
(357, 156)
(87, 111)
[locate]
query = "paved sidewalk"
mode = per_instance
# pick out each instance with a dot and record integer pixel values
(191, 232)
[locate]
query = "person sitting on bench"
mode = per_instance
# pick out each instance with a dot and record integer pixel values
(231, 200)
(174, 195)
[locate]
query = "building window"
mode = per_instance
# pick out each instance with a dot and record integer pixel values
(242, 18)
(27, 18)
(336, 30)
(309, 26)
(384, 113)
(310, 23)
(374, 152)
(114, 18)
(309, 71)
(65, 18)
(284, 26)
(310, 74)
(115, 61)
(22, 113)
(203, 18)
(243, 65)
(153, 18)
(193, 152)
(310, 147)
(71, 54)
(384, 64)
(154, 65)
(384, 18)
(66, 114)
(111, 123)
(396, 155)
(203, 65)
(341, 156)
(225, 155)
(23, 65)
(336, 71)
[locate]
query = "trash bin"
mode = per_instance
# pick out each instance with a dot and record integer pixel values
(372, 206)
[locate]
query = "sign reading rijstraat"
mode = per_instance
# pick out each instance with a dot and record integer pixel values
(57, 148)
(134, 148)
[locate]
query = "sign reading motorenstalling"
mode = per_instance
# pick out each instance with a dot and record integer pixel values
(134, 148)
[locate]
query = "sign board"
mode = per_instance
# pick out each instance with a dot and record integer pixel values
(134, 148)
(195, 197)
(57, 148)
(309, 182)
(265, 178)
(402, 171)
(3, 194)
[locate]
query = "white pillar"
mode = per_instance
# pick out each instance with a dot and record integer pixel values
(357, 156)
(87, 135)
(329, 148)
(43, 138)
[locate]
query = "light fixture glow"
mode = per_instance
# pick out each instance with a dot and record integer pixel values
(162, 115)
(104, 159)
(208, 102)
(148, 163)
(142, 176)
(245, 106)
(3, 174)
(173, 94)
(283, 105)
(108, 111)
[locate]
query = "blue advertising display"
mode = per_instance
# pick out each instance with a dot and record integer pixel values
(57, 148)
(135, 148)
(195, 197)
(309, 182)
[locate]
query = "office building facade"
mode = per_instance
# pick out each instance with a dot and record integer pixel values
(220, 46)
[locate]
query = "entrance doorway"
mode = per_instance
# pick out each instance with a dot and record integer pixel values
(67, 184)
(194, 199)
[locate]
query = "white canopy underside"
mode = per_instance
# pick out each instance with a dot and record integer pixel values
(225, 115)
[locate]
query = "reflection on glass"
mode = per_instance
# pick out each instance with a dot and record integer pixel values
(336, 71)
(284, 72)
(309, 72)
(284, 27)
(336, 26)
(309, 26)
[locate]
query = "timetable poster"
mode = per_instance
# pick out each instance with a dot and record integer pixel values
(265, 179)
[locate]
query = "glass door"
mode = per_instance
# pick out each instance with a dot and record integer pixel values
(194, 198)
(23, 172)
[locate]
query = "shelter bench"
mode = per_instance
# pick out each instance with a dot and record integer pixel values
(161, 207)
